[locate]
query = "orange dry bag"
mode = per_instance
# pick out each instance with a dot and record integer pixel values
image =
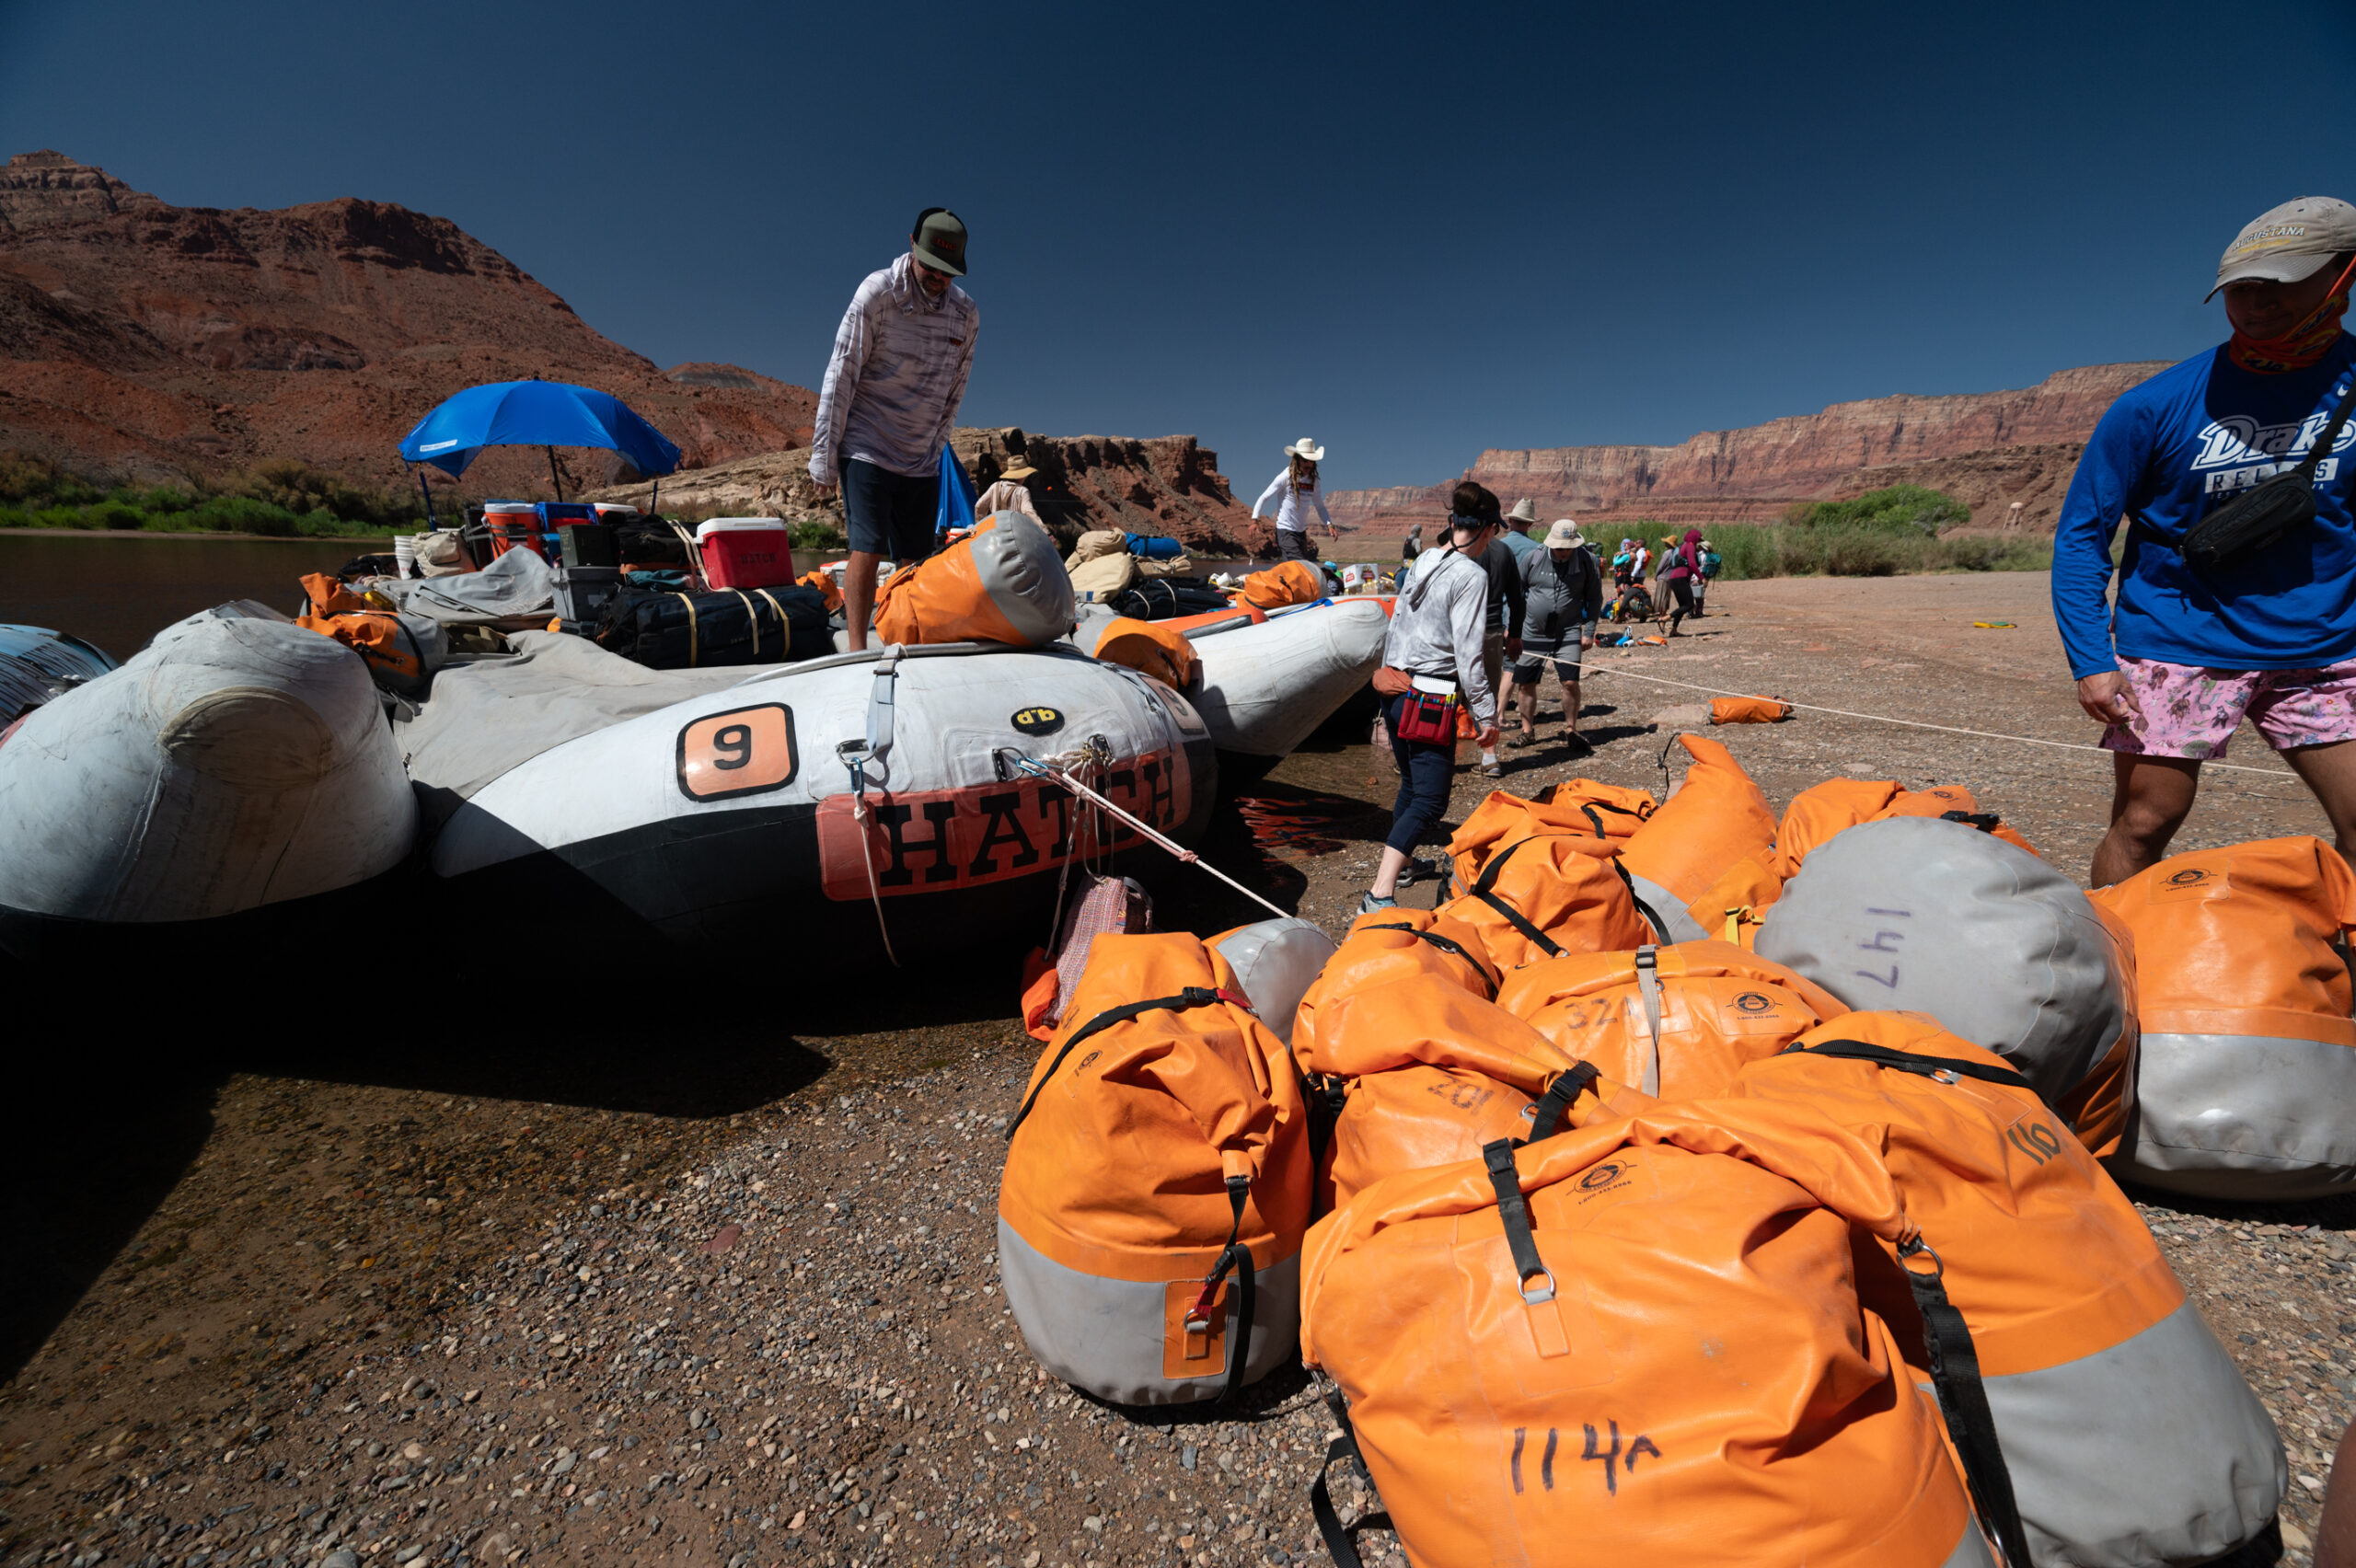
(1383, 945)
(1433, 1073)
(1749, 710)
(1933, 917)
(1541, 897)
(1002, 582)
(2245, 1078)
(1157, 1184)
(399, 651)
(1674, 1022)
(1716, 817)
(2130, 1435)
(1818, 812)
(1294, 583)
(1603, 814)
(1635, 1343)
(1153, 647)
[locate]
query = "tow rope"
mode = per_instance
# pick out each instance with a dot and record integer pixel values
(855, 754)
(1048, 770)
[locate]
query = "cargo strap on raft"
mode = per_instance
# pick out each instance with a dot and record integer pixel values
(855, 754)
(1032, 766)
(1649, 982)
(1445, 945)
(1963, 1400)
(1946, 1068)
(1235, 1254)
(1344, 1446)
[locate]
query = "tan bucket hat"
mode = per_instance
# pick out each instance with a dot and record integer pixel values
(1523, 515)
(1565, 536)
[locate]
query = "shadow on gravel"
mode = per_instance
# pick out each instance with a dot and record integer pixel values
(103, 1110)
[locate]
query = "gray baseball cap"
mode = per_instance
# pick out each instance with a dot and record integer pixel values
(940, 241)
(2288, 243)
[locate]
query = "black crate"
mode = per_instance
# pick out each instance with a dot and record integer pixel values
(581, 591)
(588, 544)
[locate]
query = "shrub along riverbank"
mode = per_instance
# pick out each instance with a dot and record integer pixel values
(282, 501)
(1880, 534)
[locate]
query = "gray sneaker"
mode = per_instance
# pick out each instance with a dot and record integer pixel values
(1372, 902)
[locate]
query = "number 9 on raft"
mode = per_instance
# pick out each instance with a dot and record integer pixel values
(746, 751)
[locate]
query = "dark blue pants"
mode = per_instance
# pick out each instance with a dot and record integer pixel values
(1426, 768)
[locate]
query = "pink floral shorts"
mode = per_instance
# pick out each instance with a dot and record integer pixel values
(2183, 710)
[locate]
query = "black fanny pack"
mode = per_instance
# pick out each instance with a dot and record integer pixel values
(2251, 523)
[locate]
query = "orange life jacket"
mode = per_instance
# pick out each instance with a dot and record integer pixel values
(1640, 1337)
(1157, 1182)
(2244, 1000)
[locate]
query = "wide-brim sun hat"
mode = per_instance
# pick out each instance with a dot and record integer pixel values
(1524, 511)
(1565, 536)
(2289, 243)
(1307, 450)
(1019, 471)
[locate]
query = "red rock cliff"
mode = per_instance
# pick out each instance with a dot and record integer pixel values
(167, 341)
(2017, 442)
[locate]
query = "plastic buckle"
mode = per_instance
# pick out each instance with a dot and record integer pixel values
(1539, 1298)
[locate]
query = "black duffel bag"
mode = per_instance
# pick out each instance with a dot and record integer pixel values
(727, 626)
(1165, 598)
(2282, 507)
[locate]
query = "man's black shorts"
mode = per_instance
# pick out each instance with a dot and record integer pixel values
(890, 514)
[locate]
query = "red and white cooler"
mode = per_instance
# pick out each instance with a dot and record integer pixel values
(745, 552)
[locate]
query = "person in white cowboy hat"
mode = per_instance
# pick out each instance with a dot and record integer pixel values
(1562, 587)
(1293, 492)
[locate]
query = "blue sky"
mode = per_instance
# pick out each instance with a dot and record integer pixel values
(1410, 233)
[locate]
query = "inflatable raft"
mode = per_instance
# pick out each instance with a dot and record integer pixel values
(849, 800)
(239, 764)
(1270, 678)
(39, 665)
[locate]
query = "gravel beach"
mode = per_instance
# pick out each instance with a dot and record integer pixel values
(340, 1261)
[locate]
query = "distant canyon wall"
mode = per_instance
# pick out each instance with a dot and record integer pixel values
(1989, 448)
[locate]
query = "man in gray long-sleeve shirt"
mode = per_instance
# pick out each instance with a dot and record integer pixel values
(901, 358)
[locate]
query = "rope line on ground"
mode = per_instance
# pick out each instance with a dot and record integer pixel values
(1921, 724)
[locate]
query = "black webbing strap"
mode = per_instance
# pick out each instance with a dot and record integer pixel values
(1557, 1102)
(1192, 997)
(1446, 945)
(1955, 1373)
(1515, 1211)
(1338, 1544)
(1591, 810)
(1652, 917)
(1514, 918)
(1238, 1257)
(1908, 1062)
(1986, 822)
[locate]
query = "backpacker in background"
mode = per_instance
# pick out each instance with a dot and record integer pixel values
(401, 651)
(681, 631)
(1157, 1184)
(1634, 1343)
(2246, 1077)
(1916, 914)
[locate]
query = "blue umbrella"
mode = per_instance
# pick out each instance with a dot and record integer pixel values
(535, 413)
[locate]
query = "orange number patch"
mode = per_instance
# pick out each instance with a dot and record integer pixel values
(743, 752)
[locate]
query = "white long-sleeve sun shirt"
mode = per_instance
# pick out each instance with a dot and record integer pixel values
(1292, 506)
(1438, 625)
(898, 375)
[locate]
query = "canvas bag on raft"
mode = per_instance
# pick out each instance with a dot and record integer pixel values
(1431, 1074)
(1714, 818)
(723, 627)
(1150, 648)
(1541, 897)
(1918, 914)
(1677, 1023)
(1157, 1184)
(401, 651)
(1002, 582)
(2245, 1075)
(1637, 1343)
(2130, 1436)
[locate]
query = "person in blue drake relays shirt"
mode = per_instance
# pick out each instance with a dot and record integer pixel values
(2184, 657)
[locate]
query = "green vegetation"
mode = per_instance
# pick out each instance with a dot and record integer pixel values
(817, 534)
(1899, 508)
(277, 499)
(1753, 550)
